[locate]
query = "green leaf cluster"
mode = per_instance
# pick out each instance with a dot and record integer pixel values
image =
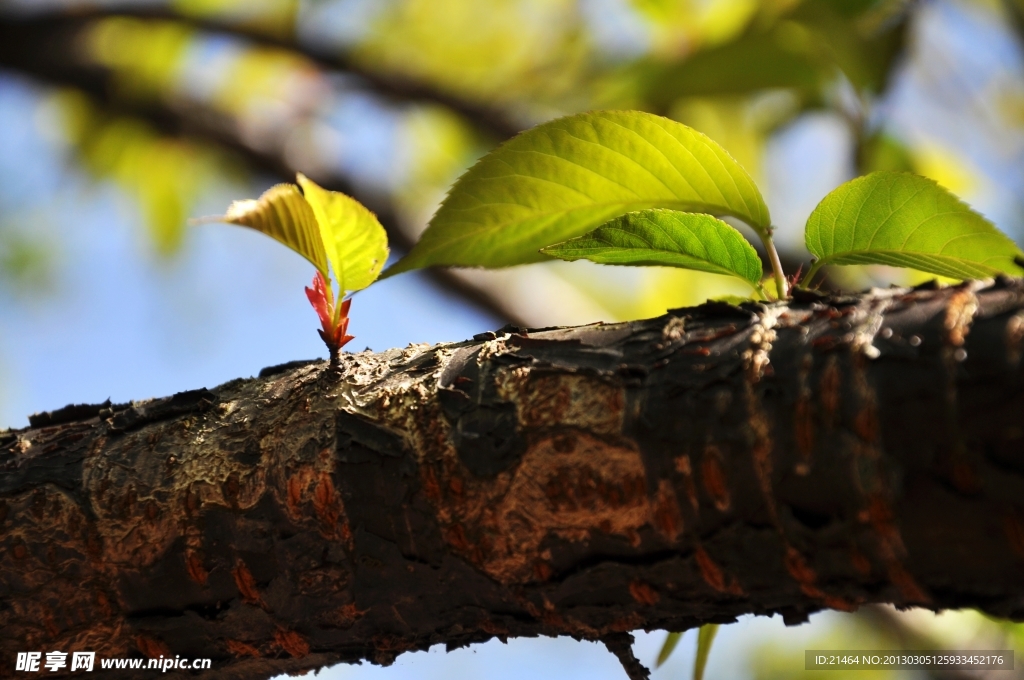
(566, 177)
(802, 47)
(632, 188)
(333, 231)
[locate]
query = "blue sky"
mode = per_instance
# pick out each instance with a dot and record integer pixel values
(120, 322)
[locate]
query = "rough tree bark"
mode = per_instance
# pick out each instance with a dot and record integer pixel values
(713, 462)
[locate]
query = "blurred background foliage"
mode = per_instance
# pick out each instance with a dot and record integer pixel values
(392, 99)
(177, 106)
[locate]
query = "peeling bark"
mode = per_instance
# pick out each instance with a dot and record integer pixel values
(713, 462)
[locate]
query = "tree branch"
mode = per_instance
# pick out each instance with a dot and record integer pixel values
(590, 481)
(46, 49)
(47, 54)
(490, 120)
(621, 645)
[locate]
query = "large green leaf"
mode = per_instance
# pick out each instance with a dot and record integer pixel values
(355, 241)
(568, 176)
(283, 214)
(907, 220)
(669, 238)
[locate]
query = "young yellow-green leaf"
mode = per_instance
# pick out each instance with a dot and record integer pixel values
(667, 647)
(669, 238)
(283, 214)
(355, 241)
(906, 220)
(705, 636)
(568, 176)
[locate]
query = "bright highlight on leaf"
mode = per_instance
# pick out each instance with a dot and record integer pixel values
(562, 179)
(324, 227)
(667, 238)
(283, 214)
(906, 220)
(355, 242)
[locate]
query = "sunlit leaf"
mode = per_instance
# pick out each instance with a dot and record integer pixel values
(506, 50)
(802, 51)
(675, 22)
(906, 220)
(276, 17)
(882, 151)
(355, 242)
(568, 176)
(705, 636)
(669, 646)
(258, 78)
(668, 238)
(782, 58)
(164, 174)
(860, 37)
(741, 125)
(28, 261)
(283, 214)
(438, 145)
(145, 56)
(950, 169)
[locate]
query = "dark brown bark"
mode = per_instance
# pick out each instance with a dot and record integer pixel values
(590, 481)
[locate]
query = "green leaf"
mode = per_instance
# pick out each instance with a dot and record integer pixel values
(862, 38)
(882, 151)
(800, 52)
(705, 636)
(782, 58)
(568, 176)
(906, 220)
(669, 646)
(322, 226)
(283, 214)
(355, 242)
(669, 238)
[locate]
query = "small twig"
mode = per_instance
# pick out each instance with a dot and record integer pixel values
(621, 645)
(773, 257)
